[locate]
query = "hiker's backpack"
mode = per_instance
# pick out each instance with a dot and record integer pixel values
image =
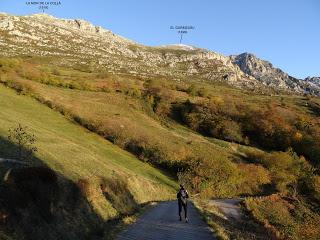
(183, 195)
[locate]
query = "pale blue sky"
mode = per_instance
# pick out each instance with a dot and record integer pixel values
(284, 32)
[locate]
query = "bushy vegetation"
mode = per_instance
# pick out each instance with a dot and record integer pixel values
(287, 214)
(271, 127)
(287, 169)
(193, 90)
(217, 178)
(286, 218)
(13, 70)
(313, 186)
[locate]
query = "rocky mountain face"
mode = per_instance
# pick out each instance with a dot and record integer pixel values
(273, 77)
(314, 80)
(312, 85)
(266, 73)
(79, 42)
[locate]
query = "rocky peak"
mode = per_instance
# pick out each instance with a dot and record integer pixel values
(86, 26)
(315, 80)
(265, 72)
(83, 26)
(254, 66)
(77, 23)
(312, 85)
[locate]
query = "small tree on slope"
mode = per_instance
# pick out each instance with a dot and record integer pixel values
(24, 142)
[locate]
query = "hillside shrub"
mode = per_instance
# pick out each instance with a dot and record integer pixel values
(9, 64)
(56, 72)
(133, 92)
(287, 170)
(253, 179)
(192, 90)
(210, 120)
(217, 178)
(313, 185)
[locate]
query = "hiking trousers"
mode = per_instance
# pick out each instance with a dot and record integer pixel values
(184, 206)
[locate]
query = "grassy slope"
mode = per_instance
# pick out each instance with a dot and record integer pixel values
(128, 115)
(129, 118)
(117, 112)
(76, 153)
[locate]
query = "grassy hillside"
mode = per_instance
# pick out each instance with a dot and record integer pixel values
(220, 141)
(73, 151)
(135, 118)
(81, 156)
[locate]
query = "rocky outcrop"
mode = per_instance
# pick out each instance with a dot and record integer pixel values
(7, 25)
(312, 85)
(314, 80)
(265, 72)
(270, 76)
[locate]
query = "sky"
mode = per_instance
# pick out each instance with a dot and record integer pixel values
(284, 32)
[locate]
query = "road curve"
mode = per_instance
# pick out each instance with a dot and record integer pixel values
(162, 223)
(229, 207)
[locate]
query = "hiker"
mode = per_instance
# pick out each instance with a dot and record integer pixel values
(182, 196)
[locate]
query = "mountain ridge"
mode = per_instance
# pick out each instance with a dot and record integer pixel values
(78, 41)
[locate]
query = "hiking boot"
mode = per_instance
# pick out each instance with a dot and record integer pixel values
(187, 220)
